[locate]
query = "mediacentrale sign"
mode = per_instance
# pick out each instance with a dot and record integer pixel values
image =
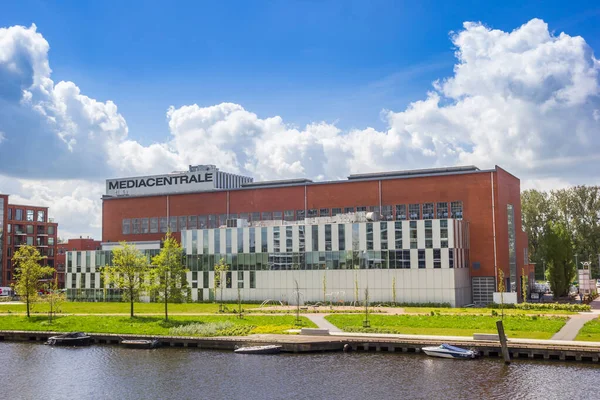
(191, 181)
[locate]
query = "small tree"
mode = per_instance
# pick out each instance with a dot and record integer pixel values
(28, 274)
(239, 303)
(130, 272)
(394, 290)
(501, 289)
(355, 289)
(366, 322)
(169, 273)
(524, 285)
(324, 288)
(221, 269)
(297, 301)
(54, 298)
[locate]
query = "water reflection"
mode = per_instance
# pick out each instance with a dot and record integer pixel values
(34, 371)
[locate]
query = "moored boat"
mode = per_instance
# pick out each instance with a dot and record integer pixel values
(449, 351)
(70, 339)
(269, 349)
(141, 343)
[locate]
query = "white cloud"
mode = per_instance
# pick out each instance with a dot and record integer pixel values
(527, 100)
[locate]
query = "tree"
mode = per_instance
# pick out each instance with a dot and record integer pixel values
(324, 288)
(169, 273)
(537, 209)
(54, 297)
(28, 274)
(220, 268)
(394, 290)
(524, 285)
(559, 251)
(130, 272)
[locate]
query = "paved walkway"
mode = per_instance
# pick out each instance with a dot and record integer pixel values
(322, 323)
(576, 322)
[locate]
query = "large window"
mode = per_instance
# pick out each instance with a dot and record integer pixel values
(335, 211)
(443, 233)
(18, 214)
(421, 258)
(324, 212)
(288, 239)
(400, 211)
(277, 215)
(288, 215)
(315, 238)
(41, 216)
(240, 240)
(442, 210)
(451, 258)
(164, 224)
(414, 211)
(383, 235)
(348, 210)
(428, 235)
(252, 240)
(202, 222)
(173, 224)
(328, 237)
(355, 237)
(437, 258)
(145, 227)
(29, 229)
(386, 212)
(276, 239)
(457, 209)
(212, 221)
(263, 240)
(227, 241)
(312, 213)
(126, 226)
(192, 222)
(30, 215)
(267, 216)
(51, 230)
(369, 236)
(135, 226)
(342, 237)
(361, 209)
(182, 223)
(413, 234)
(299, 215)
(398, 234)
(154, 225)
(428, 211)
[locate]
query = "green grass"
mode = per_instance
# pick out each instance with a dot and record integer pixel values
(151, 325)
(590, 331)
(123, 308)
(483, 311)
(451, 325)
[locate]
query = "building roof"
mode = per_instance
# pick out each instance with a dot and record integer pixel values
(415, 172)
(277, 182)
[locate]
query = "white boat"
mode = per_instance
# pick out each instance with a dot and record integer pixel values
(141, 343)
(269, 349)
(448, 351)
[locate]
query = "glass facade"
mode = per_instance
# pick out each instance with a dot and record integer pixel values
(512, 249)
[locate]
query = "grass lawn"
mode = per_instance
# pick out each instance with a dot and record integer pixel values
(69, 307)
(483, 311)
(223, 325)
(590, 331)
(451, 325)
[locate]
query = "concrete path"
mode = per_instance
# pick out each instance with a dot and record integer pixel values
(573, 325)
(322, 323)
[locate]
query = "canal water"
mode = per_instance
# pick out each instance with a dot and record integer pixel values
(34, 371)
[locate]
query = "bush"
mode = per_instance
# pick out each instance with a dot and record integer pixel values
(544, 306)
(224, 328)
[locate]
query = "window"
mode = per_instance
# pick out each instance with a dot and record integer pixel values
(335, 211)
(277, 215)
(163, 225)
(413, 234)
(202, 222)
(126, 226)
(192, 222)
(217, 240)
(361, 209)
(457, 209)
(451, 258)
(324, 212)
(348, 210)
(144, 228)
(299, 215)
(135, 226)
(255, 216)
(240, 279)
(222, 220)
(414, 211)
(267, 216)
(252, 240)
(288, 215)
(252, 279)
(428, 235)
(244, 216)
(421, 258)
(50, 241)
(173, 224)
(182, 223)
(437, 258)
(51, 230)
(443, 233)
(228, 279)
(355, 237)
(374, 209)
(263, 240)
(9, 210)
(328, 237)
(342, 237)
(154, 225)
(212, 221)
(41, 216)
(288, 239)
(30, 229)
(525, 257)
(383, 234)
(369, 236)
(276, 239)
(398, 234)
(400, 211)
(512, 248)
(428, 211)
(442, 210)
(312, 213)
(227, 241)
(386, 212)
(30, 240)
(240, 240)
(315, 238)
(19, 214)
(30, 215)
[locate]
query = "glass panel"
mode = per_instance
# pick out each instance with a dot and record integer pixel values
(421, 258)
(414, 211)
(182, 223)
(126, 226)
(342, 237)
(457, 209)
(413, 234)
(299, 215)
(277, 215)
(202, 222)
(30, 229)
(19, 214)
(173, 224)
(428, 235)
(324, 212)
(437, 258)
(315, 237)
(398, 235)
(135, 226)
(328, 237)
(383, 235)
(369, 236)
(312, 213)
(145, 225)
(401, 211)
(442, 210)
(288, 215)
(163, 225)
(41, 216)
(386, 212)
(154, 225)
(428, 211)
(266, 216)
(30, 215)
(348, 210)
(335, 211)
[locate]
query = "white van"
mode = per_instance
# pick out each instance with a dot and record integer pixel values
(6, 291)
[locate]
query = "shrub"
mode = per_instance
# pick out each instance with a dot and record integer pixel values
(544, 306)
(224, 328)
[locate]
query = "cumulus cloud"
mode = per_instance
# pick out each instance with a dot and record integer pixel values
(527, 100)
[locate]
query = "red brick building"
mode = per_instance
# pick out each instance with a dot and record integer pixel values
(24, 225)
(81, 244)
(488, 199)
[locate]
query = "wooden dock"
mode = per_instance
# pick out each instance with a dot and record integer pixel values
(304, 343)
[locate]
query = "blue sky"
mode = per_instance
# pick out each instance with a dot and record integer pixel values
(338, 61)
